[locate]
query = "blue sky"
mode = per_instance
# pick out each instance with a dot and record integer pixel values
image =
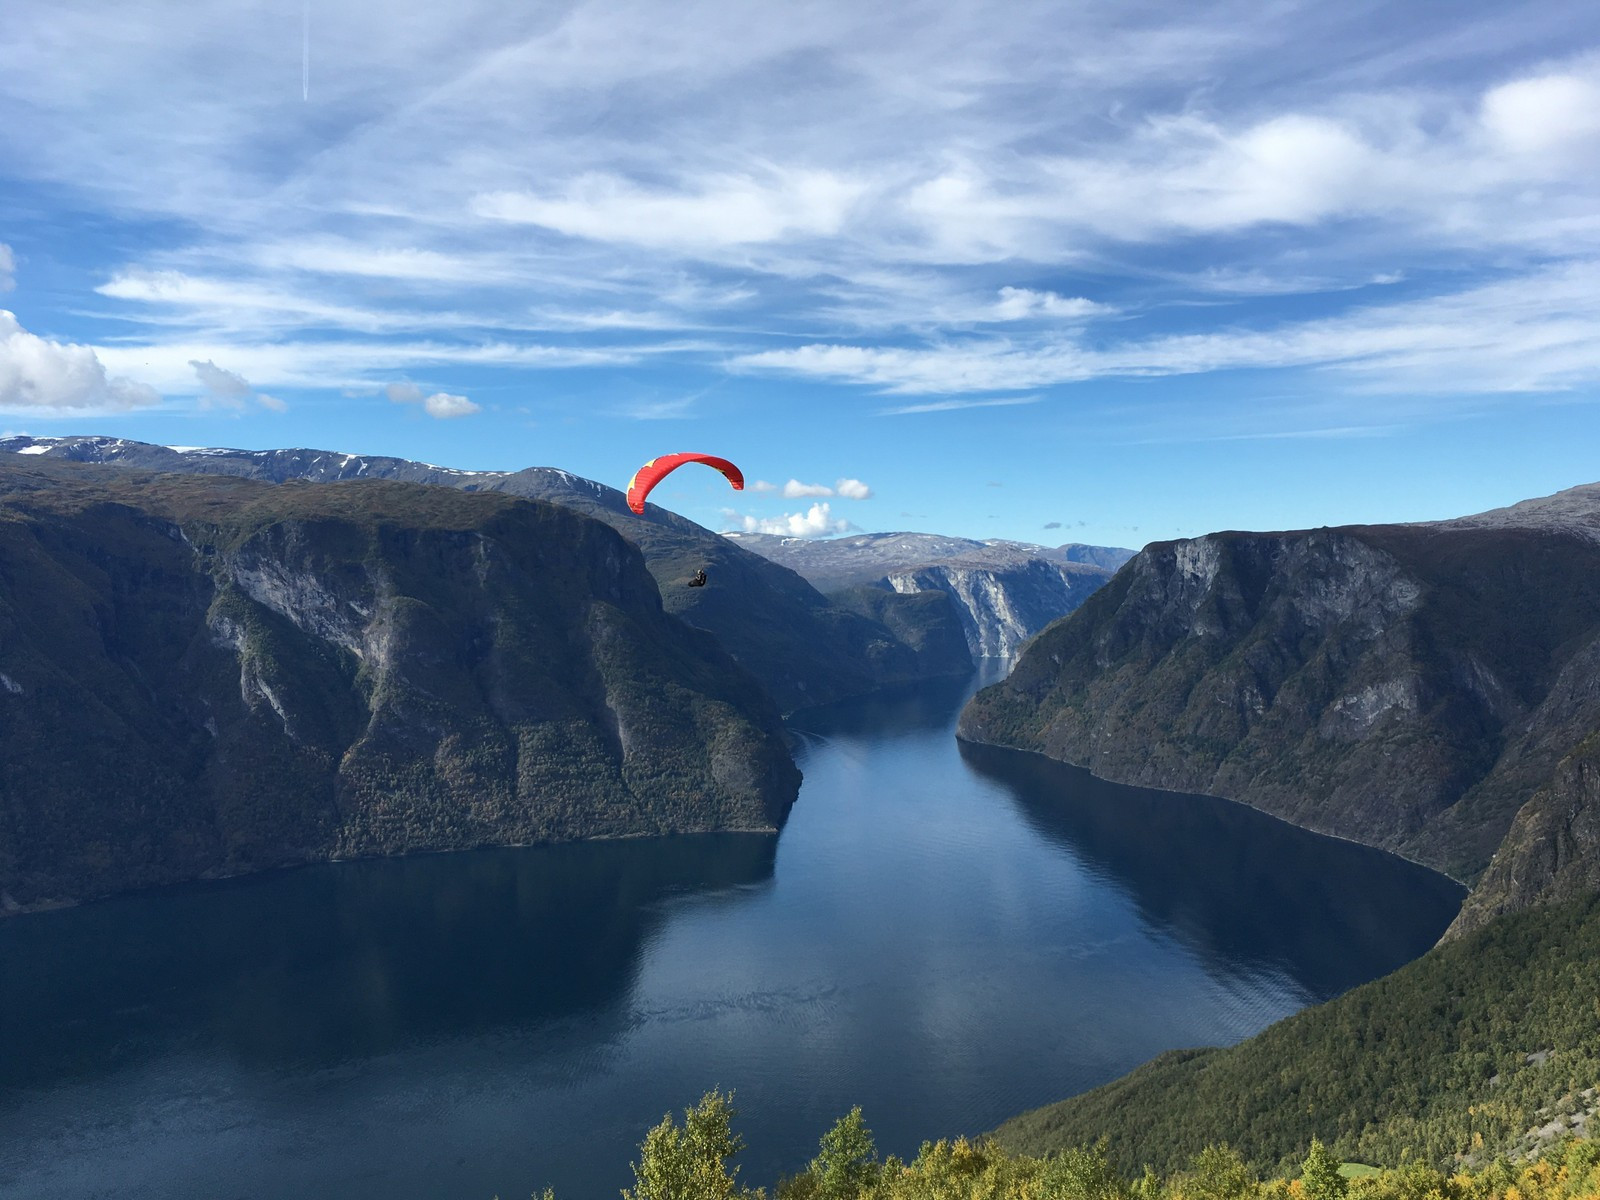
(1104, 272)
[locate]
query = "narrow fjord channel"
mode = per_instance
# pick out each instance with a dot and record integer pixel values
(945, 935)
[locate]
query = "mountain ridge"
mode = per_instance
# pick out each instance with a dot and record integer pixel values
(806, 648)
(1416, 687)
(252, 675)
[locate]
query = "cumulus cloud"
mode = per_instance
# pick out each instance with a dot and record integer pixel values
(817, 521)
(762, 485)
(228, 389)
(36, 373)
(445, 406)
(849, 489)
(795, 490)
(1052, 524)
(8, 268)
(224, 385)
(1547, 112)
(441, 405)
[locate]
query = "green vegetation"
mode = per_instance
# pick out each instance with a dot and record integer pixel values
(1452, 1058)
(694, 1162)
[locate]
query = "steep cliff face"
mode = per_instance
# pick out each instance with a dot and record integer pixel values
(805, 648)
(202, 677)
(833, 564)
(1411, 687)
(1002, 607)
(1552, 852)
(1003, 592)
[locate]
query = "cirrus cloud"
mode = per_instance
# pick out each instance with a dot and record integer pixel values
(714, 212)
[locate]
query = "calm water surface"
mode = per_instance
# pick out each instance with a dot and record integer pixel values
(942, 934)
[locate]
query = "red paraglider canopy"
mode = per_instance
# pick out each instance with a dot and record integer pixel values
(657, 469)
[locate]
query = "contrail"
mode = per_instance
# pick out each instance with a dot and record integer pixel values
(305, 50)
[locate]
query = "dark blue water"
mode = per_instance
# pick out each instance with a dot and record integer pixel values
(945, 935)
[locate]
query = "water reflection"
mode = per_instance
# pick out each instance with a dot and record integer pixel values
(1237, 886)
(345, 961)
(943, 936)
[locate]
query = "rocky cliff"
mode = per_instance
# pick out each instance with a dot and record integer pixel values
(1408, 686)
(1002, 607)
(1003, 592)
(804, 647)
(203, 676)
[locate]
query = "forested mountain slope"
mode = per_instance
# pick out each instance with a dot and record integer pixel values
(1488, 1044)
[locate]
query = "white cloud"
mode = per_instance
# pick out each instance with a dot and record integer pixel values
(817, 521)
(714, 212)
(39, 374)
(441, 405)
(345, 363)
(220, 385)
(1537, 332)
(229, 389)
(863, 169)
(251, 305)
(445, 406)
(1018, 304)
(1547, 112)
(795, 490)
(850, 489)
(404, 393)
(8, 268)
(338, 256)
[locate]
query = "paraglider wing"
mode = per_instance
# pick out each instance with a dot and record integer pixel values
(657, 469)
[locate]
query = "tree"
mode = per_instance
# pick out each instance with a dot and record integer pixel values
(847, 1162)
(691, 1163)
(1087, 1174)
(1216, 1173)
(1319, 1174)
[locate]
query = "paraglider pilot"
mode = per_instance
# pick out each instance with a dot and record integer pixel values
(699, 579)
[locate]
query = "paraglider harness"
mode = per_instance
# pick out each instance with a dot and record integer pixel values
(699, 579)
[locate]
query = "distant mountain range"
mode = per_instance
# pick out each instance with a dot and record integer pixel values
(870, 558)
(1004, 591)
(1433, 688)
(806, 648)
(767, 605)
(206, 676)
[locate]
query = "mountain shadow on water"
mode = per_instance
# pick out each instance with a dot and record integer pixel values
(1235, 884)
(338, 962)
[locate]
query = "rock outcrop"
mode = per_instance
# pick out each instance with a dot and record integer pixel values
(1004, 592)
(1002, 607)
(204, 676)
(1408, 686)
